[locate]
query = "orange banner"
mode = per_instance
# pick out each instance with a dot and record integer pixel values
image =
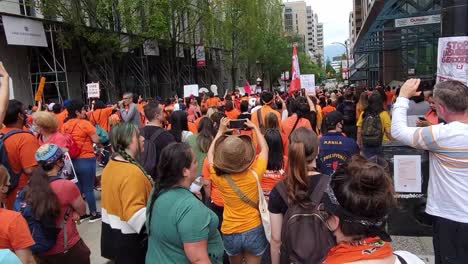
(40, 90)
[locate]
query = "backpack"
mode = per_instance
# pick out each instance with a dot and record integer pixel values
(304, 236)
(349, 113)
(14, 177)
(43, 231)
(150, 153)
(73, 149)
(102, 134)
(371, 130)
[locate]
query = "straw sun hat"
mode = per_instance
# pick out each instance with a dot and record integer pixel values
(233, 153)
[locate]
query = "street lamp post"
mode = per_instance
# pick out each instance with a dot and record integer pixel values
(345, 45)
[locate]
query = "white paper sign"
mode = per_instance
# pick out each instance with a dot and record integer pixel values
(191, 89)
(68, 171)
(407, 173)
(452, 60)
(93, 90)
(24, 32)
(308, 82)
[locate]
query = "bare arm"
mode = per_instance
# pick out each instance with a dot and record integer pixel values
(311, 104)
(95, 138)
(25, 256)
(222, 129)
(275, 243)
(197, 252)
(4, 92)
(261, 140)
(29, 170)
(79, 205)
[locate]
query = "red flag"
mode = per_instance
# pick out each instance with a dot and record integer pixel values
(295, 84)
(247, 87)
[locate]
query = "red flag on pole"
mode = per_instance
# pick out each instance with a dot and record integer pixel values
(295, 84)
(247, 87)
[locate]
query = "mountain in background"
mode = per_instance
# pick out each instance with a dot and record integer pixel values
(332, 51)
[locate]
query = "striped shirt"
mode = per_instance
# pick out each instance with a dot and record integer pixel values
(448, 155)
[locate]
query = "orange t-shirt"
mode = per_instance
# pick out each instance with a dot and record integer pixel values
(101, 117)
(327, 109)
(288, 123)
(81, 131)
(14, 231)
(192, 127)
(20, 149)
(212, 101)
(61, 119)
(389, 95)
(233, 114)
(270, 178)
(216, 195)
(264, 110)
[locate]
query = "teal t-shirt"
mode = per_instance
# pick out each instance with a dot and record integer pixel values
(179, 217)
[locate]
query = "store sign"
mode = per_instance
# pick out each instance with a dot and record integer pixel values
(24, 32)
(452, 59)
(200, 53)
(415, 21)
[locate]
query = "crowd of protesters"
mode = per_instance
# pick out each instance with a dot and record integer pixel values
(263, 178)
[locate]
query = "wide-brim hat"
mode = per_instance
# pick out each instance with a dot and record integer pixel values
(233, 153)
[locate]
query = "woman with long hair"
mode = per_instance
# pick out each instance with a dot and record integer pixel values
(300, 181)
(56, 203)
(126, 188)
(181, 228)
(235, 169)
(373, 110)
(362, 104)
(200, 143)
(179, 126)
(276, 160)
(299, 117)
(84, 134)
(356, 205)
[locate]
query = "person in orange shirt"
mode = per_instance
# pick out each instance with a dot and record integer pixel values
(329, 108)
(276, 161)
(389, 94)
(212, 101)
(267, 100)
(100, 115)
(84, 134)
(14, 230)
(230, 111)
(20, 147)
(60, 114)
(300, 109)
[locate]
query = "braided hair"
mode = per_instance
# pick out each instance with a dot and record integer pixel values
(121, 137)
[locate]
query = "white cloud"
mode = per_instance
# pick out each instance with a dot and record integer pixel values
(334, 14)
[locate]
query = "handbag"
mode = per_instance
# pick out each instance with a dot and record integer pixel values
(262, 206)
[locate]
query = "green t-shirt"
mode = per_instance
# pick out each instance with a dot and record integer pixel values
(179, 217)
(199, 155)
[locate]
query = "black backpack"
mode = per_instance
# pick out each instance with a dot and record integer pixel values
(371, 130)
(349, 113)
(14, 177)
(149, 157)
(305, 238)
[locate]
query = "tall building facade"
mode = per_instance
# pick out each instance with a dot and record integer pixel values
(394, 40)
(300, 20)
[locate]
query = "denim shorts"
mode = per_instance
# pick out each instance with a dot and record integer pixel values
(252, 241)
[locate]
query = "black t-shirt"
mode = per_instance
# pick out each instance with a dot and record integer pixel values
(277, 205)
(164, 139)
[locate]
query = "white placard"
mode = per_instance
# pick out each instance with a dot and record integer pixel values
(414, 21)
(93, 90)
(68, 171)
(407, 173)
(191, 89)
(24, 32)
(452, 59)
(308, 82)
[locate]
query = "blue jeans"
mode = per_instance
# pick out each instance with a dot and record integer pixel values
(253, 241)
(85, 169)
